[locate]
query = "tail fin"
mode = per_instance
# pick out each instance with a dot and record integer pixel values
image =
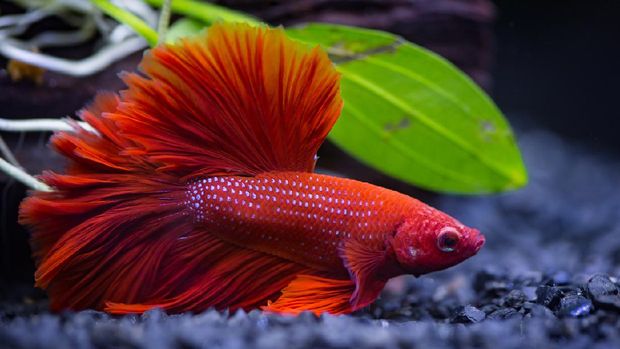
(242, 101)
(101, 213)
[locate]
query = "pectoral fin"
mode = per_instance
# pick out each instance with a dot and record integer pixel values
(369, 267)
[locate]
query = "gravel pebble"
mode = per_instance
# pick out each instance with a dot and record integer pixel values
(604, 292)
(575, 305)
(548, 296)
(468, 314)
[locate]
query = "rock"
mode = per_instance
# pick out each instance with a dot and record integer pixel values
(514, 299)
(600, 285)
(575, 306)
(490, 282)
(489, 308)
(442, 310)
(538, 311)
(610, 302)
(482, 278)
(468, 314)
(548, 296)
(154, 315)
(604, 292)
(530, 293)
(504, 313)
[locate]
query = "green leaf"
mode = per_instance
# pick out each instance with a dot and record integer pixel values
(182, 28)
(413, 115)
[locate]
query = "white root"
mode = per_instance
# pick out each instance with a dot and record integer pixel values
(120, 41)
(11, 167)
(63, 38)
(40, 125)
(82, 14)
(21, 175)
(88, 66)
(7, 153)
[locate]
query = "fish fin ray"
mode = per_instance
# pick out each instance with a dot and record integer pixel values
(107, 207)
(214, 273)
(367, 266)
(242, 100)
(314, 293)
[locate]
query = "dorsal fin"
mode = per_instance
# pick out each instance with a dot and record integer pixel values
(238, 100)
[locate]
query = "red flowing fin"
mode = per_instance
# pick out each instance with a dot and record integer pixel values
(316, 294)
(240, 100)
(102, 151)
(370, 267)
(126, 240)
(94, 162)
(225, 277)
(110, 211)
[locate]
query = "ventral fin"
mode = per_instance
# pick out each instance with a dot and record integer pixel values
(316, 294)
(240, 100)
(370, 266)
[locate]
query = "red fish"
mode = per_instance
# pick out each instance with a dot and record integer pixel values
(197, 190)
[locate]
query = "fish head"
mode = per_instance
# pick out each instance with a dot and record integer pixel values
(430, 240)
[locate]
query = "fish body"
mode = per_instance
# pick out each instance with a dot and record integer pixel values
(300, 216)
(197, 189)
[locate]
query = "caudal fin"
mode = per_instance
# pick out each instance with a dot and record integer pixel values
(105, 227)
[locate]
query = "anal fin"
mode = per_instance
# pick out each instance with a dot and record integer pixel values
(316, 294)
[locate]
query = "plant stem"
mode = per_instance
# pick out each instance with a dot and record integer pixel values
(206, 12)
(129, 19)
(164, 20)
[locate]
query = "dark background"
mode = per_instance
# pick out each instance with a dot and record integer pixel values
(558, 61)
(548, 64)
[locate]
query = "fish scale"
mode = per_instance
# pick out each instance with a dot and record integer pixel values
(304, 217)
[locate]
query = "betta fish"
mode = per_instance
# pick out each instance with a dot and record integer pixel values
(195, 187)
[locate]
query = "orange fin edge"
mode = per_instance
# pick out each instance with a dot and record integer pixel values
(315, 294)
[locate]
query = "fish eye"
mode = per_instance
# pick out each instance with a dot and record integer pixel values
(448, 239)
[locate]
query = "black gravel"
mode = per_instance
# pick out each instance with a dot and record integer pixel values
(546, 279)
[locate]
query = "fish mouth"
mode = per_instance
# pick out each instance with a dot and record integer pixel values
(479, 242)
(475, 241)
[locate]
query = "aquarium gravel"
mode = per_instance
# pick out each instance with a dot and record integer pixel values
(547, 278)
